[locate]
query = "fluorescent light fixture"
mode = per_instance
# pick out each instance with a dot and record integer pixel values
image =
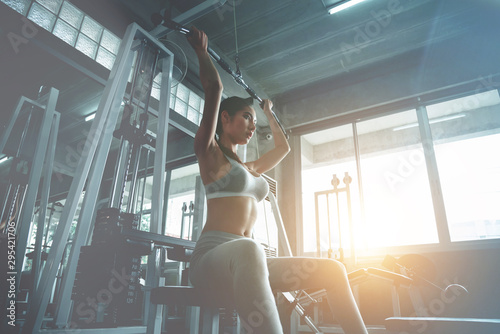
(341, 5)
(90, 117)
(432, 121)
(4, 159)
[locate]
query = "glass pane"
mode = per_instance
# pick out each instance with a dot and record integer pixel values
(324, 154)
(65, 32)
(71, 14)
(42, 17)
(180, 107)
(193, 115)
(202, 103)
(179, 220)
(110, 41)
(52, 5)
(20, 6)
(91, 28)
(172, 101)
(105, 58)
(182, 92)
(173, 90)
(194, 101)
(466, 134)
(397, 197)
(86, 45)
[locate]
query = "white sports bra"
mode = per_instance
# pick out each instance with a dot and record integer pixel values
(238, 182)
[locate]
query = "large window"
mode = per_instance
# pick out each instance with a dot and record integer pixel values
(466, 134)
(395, 198)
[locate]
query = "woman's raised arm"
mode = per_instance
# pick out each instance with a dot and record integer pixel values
(204, 139)
(281, 148)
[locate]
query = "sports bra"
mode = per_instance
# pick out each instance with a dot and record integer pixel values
(238, 182)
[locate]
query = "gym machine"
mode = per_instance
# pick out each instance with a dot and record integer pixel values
(30, 139)
(112, 251)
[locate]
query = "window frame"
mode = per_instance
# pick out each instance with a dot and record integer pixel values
(419, 104)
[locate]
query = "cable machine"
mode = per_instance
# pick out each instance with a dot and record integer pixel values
(31, 165)
(142, 58)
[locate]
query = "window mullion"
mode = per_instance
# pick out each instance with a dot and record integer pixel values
(357, 156)
(433, 174)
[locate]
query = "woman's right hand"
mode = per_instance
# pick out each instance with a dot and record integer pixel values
(198, 40)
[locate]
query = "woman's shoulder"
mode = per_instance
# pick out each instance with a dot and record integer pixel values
(211, 163)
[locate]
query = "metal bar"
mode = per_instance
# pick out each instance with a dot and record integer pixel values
(4, 206)
(114, 198)
(144, 183)
(17, 155)
(283, 239)
(301, 312)
(12, 122)
(133, 193)
(357, 155)
(166, 191)
(125, 176)
(153, 312)
(318, 234)
(44, 201)
(347, 181)
(330, 250)
(157, 238)
(190, 15)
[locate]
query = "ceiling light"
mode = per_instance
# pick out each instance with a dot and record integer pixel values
(341, 5)
(90, 117)
(4, 159)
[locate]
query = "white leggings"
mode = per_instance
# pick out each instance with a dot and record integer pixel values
(230, 262)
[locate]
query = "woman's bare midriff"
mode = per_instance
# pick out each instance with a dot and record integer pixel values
(234, 215)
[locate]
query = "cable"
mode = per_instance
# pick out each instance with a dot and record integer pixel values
(237, 55)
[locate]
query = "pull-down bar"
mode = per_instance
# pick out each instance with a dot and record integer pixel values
(222, 63)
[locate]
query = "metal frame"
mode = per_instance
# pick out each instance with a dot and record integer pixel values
(89, 172)
(44, 200)
(42, 163)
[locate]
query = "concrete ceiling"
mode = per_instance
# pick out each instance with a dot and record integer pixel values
(288, 44)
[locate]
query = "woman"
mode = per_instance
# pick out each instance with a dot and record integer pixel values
(225, 256)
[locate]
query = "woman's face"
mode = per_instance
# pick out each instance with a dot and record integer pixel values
(241, 126)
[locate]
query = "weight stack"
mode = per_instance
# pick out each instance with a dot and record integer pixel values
(106, 291)
(109, 224)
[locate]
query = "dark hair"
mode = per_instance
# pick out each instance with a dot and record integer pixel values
(232, 105)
